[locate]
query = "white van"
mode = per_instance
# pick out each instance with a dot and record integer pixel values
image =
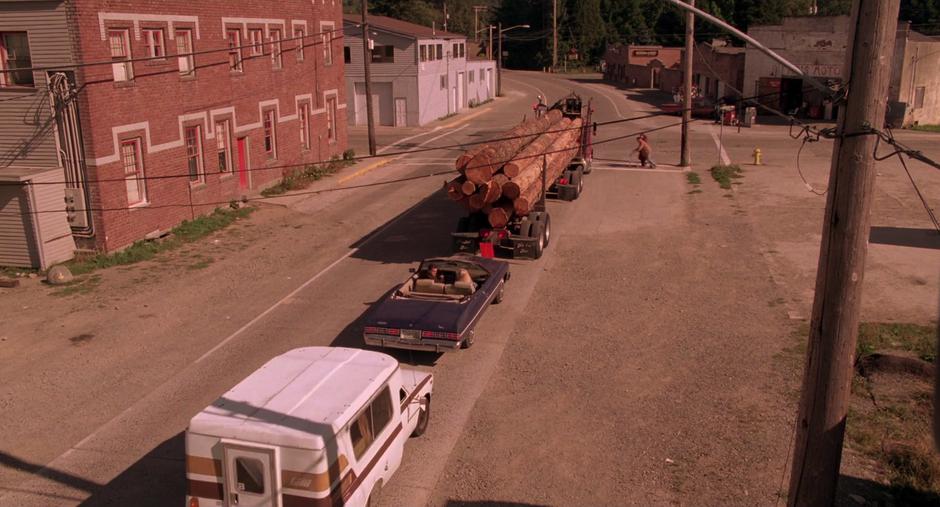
(316, 426)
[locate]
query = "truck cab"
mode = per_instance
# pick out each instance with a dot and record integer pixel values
(313, 426)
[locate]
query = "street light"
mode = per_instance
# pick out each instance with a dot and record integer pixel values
(499, 58)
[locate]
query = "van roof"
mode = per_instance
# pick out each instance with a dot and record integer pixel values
(299, 399)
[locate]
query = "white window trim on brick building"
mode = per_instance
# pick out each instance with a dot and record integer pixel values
(184, 50)
(131, 158)
(300, 39)
(277, 55)
(331, 117)
(235, 58)
(192, 140)
(303, 115)
(155, 42)
(269, 132)
(119, 42)
(256, 41)
(223, 146)
(326, 39)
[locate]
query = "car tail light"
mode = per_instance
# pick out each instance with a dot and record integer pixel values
(485, 233)
(440, 335)
(382, 330)
(502, 234)
(193, 502)
(562, 181)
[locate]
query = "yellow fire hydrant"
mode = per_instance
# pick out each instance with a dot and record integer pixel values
(757, 156)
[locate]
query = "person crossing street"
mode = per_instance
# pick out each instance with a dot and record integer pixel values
(645, 151)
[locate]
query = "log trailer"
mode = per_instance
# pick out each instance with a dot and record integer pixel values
(526, 236)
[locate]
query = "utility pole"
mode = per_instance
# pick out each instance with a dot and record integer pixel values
(499, 60)
(489, 47)
(445, 16)
(366, 61)
(476, 21)
(686, 152)
(833, 331)
(554, 34)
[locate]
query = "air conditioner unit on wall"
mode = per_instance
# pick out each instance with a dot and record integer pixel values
(34, 228)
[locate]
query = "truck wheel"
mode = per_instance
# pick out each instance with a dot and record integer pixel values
(463, 224)
(539, 233)
(587, 167)
(468, 341)
(577, 182)
(500, 293)
(424, 416)
(547, 229)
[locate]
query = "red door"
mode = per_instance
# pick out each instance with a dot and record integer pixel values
(243, 162)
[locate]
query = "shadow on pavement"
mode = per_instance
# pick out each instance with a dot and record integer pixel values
(902, 236)
(417, 233)
(73, 481)
(157, 479)
(851, 489)
(351, 336)
(488, 503)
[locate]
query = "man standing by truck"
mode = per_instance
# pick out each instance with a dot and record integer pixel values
(645, 151)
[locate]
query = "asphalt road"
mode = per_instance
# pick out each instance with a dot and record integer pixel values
(96, 400)
(635, 363)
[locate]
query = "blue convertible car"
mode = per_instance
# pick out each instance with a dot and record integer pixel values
(438, 306)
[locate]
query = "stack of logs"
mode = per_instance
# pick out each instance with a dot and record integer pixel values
(504, 178)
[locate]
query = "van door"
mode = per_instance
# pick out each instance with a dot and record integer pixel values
(250, 476)
(376, 442)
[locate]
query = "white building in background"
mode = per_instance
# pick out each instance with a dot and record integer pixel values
(419, 74)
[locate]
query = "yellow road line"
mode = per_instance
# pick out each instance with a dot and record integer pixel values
(365, 170)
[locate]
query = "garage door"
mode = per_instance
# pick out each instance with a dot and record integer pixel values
(382, 102)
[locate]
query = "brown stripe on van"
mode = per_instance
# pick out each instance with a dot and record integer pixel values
(203, 489)
(414, 392)
(371, 465)
(203, 466)
(315, 482)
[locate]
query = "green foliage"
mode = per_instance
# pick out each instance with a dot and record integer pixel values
(879, 336)
(186, 232)
(313, 172)
(723, 174)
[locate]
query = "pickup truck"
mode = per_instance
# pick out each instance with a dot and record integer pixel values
(313, 426)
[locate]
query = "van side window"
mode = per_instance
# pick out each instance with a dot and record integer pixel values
(402, 394)
(371, 422)
(249, 475)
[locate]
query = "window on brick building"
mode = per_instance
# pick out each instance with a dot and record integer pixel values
(197, 172)
(14, 54)
(463, 50)
(440, 52)
(223, 145)
(133, 167)
(277, 57)
(256, 41)
(235, 63)
(347, 55)
(455, 51)
(121, 65)
(331, 118)
(423, 52)
(184, 52)
(270, 134)
(303, 114)
(153, 40)
(326, 39)
(299, 41)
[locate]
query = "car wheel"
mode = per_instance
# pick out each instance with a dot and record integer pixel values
(547, 229)
(539, 233)
(500, 293)
(423, 417)
(468, 341)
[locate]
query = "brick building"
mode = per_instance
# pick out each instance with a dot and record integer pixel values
(639, 66)
(195, 104)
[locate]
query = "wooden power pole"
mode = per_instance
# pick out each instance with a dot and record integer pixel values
(833, 332)
(366, 61)
(685, 159)
(554, 35)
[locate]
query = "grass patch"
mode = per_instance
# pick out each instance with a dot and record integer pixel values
(186, 232)
(695, 191)
(693, 178)
(202, 264)
(926, 128)
(723, 174)
(301, 179)
(881, 336)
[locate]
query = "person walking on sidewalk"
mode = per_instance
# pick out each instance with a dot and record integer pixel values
(645, 151)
